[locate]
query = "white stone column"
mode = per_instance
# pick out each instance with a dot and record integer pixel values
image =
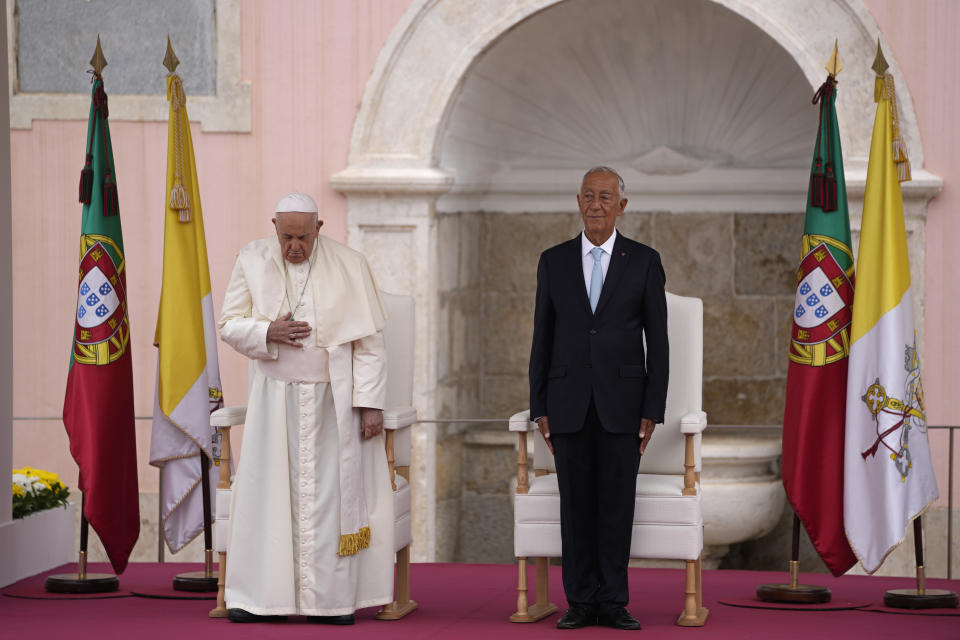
(391, 221)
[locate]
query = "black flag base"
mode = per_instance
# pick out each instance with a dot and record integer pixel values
(202, 581)
(81, 581)
(198, 581)
(914, 599)
(794, 593)
(921, 597)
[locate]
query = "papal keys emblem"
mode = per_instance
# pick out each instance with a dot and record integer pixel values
(822, 310)
(101, 332)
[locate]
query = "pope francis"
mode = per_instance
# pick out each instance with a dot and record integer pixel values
(312, 517)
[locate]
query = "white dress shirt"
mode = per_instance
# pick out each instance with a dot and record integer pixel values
(585, 247)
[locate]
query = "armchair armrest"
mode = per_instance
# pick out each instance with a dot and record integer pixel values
(229, 416)
(521, 422)
(694, 422)
(399, 417)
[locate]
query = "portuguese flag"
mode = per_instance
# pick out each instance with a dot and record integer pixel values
(98, 407)
(813, 422)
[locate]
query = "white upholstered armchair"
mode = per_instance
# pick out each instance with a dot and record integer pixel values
(667, 520)
(398, 416)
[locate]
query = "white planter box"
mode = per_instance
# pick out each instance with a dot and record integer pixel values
(38, 542)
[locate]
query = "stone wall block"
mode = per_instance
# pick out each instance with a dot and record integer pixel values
(486, 529)
(465, 334)
(738, 337)
(489, 469)
(504, 395)
(512, 244)
(636, 226)
(449, 469)
(471, 271)
(449, 252)
(508, 330)
(745, 401)
(697, 252)
(448, 516)
(767, 252)
(469, 398)
(783, 321)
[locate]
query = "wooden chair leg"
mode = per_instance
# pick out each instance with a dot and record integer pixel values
(220, 611)
(541, 608)
(402, 604)
(694, 614)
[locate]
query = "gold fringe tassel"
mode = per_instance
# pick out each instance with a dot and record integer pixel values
(178, 195)
(352, 543)
(899, 146)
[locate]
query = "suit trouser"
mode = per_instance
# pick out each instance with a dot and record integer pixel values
(597, 477)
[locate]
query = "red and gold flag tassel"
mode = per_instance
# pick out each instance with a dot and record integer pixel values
(829, 189)
(823, 182)
(86, 180)
(99, 111)
(816, 184)
(899, 146)
(111, 201)
(178, 194)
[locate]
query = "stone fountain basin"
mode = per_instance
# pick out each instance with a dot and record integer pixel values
(742, 495)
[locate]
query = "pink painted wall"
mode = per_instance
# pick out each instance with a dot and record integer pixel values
(923, 38)
(308, 63)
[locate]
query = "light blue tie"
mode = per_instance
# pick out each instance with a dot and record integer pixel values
(596, 278)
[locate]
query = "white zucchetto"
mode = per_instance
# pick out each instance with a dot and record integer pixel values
(296, 201)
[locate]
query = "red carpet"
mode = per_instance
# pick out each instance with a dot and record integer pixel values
(474, 601)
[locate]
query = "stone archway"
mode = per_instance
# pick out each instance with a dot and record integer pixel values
(402, 171)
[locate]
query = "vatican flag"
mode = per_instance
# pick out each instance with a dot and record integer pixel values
(188, 376)
(888, 475)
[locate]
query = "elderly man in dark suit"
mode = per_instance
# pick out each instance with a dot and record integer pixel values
(595, 395)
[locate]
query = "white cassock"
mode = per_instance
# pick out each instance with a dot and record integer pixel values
(308, 491)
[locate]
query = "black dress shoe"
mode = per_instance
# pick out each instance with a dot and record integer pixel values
(618, 618)
(576, 617)
(242, 615)
(346, 618)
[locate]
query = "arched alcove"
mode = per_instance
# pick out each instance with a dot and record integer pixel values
(479, 119)
(683, 98)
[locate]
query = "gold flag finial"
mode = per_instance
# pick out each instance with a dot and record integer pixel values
(170, 61)
(880, 65)
(834, 66)
(98, 62)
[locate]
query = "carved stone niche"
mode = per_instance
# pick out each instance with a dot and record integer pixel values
(488, 111)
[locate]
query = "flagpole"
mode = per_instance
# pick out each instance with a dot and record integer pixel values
(794, 592)
(921, 597)
(82, 581)
(201, 581)
(827, 194)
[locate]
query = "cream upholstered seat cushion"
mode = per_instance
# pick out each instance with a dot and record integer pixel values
(666, 524)
(659, 500)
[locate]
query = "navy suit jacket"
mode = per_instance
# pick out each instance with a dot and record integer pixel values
(577, 354)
